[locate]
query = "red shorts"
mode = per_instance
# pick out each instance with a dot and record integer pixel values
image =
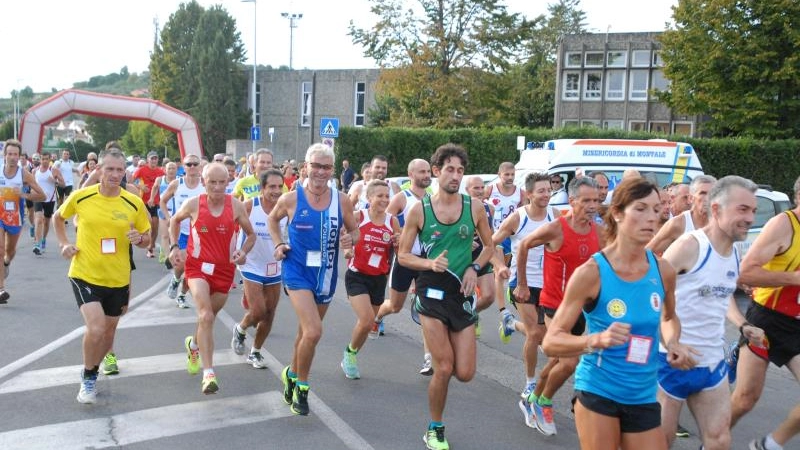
(218, 276)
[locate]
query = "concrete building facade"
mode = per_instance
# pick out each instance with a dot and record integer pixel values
(290, 103)
(608, 80)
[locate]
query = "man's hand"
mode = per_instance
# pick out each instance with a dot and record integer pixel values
(440, 263)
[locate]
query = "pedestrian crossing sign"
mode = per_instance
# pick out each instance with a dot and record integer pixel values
(329, 127)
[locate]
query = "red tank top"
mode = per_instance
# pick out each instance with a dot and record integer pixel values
(371, 252)
(211, 238)
(559, 265)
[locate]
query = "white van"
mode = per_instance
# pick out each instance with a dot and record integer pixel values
(532, 159)
(665, 161)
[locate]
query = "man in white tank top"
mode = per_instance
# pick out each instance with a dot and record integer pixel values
(694, 218)
(182, 189)
(516, 227)
(48, 178)
(68, 171)
(378, 169)
(707, 265)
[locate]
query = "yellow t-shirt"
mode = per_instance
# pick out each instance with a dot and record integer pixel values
(250, 187)
(103, 257)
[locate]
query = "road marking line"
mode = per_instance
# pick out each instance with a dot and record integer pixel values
(148, 424)
(130, 367)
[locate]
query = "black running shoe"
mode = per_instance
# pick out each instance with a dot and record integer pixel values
(288, 386)
(300, 401)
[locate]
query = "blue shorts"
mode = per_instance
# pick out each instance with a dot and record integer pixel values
(298, 277)
(680, 384)
(183, 241)
(10, 229)
(506, 244)
(260, 279)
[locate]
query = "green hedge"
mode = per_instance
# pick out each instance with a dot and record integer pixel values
(765, 162)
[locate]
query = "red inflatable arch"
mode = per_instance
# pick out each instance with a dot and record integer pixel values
(111, 106)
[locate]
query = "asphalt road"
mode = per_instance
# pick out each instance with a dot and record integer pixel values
(155, 404)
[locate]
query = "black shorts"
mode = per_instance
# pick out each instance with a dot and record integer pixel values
(46, 207)
(577, 329)
(356, 283)
(153, 210)
(402, 277)
(781, 330)
(113, 299)
(533, 300)
(63, 191)
(438, 296)
(632, 418)
(29, 204)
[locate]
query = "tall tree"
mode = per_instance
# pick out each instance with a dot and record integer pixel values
(441, 53)
(198, 67)
(737, 61)
(104, 130)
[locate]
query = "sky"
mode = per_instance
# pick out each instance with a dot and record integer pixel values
(49, 44)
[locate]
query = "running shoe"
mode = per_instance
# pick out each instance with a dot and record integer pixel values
(435, 440)
(529, 388)
(732, 357)
(506, 328)
(88, 392)
(381, 330)
(237, 341)
(4, 296)
(172, 288)
(300, 401)
(478, 329)
(256, 360)
(180, 302)
(350, 366)
(168, 263)
(110, 364)
(682, 432)
(36, 250)
(527, 411)
(544, 418)
(162, 257)
(32, 231)
(427, 366)
(192, 357)
(43, 244)
(288, 386)
(210, 385)
(758, 444)
(150, 253)
(373, 332)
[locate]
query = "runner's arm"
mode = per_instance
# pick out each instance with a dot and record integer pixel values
(774, 239)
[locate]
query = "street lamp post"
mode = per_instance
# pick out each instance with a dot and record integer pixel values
(255, 42)
(293, 19)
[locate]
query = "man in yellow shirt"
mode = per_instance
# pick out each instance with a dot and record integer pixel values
(100, 266)
(250, 186)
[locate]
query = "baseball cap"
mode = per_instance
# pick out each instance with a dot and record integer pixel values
(151, 154)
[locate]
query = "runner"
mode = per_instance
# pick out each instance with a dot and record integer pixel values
(68, 170)
(772, 265)
(111, 219)
(316, 214)
(378, 168)
(261, 272)
(16, 186)
(708, 267)
(47, 178)
(692, 219)
(568, 242)
(368, 264)
(209, 262)
(626, 295)
(162, 183)
(144, 178)
(181, 189)
(445, 224)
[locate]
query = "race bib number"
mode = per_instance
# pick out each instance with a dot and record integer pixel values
(314, 259)
(108, 246)
(374, 260)
(272, 269)
(207, 268)
(436, 294)
(10, 205)
(639, 349)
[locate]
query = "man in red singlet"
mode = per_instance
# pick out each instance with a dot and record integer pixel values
(568, 243)
(209, 265)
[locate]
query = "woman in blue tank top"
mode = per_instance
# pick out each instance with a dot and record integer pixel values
(627, 296)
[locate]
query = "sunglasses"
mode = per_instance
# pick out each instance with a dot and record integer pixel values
(317, 166)
(191, 164)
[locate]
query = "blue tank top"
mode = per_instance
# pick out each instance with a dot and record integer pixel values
(311, 232)
(627, 373)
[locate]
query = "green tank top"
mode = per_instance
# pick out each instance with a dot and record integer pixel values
(456, 238)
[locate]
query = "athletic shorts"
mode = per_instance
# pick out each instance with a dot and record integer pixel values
(11, 229)
(533, 300)
(632, 418)
(112, 299)
(680, 384)
(153, 210)
(402, 277)
(577, 329)
(29, 204)
(438, 296)
(46, 207)
(301, 278)
(357, 283)
(64, 191)
(781, 331)
(220, 280)
(261, 279)
(183, 241)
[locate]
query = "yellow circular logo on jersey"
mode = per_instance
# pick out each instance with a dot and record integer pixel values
(616, 308)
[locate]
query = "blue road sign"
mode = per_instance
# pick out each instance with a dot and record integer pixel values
(255, 133)
(329, 127)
